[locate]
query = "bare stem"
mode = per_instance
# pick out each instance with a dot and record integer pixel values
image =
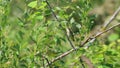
(112, 18)
(52, 10)
(69, 40)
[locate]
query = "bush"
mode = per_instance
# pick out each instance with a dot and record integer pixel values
(39, 31)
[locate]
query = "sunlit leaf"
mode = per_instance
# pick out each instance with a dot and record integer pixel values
(113, 37)
(32, 4)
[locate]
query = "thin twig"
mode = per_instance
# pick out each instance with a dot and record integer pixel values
(43, 63)
(107, 30)
(47, 61)
(81, 61)
(98, 34)
(112, 18)
(71, 44)
(61, 56)
(52, 10)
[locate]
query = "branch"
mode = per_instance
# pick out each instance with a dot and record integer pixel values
(106, 30)
(61, 56)
(52, 10)
(112, 18)
(46, 61)
(43, 63)
(81, 61)
(89, 39)
(69, 40)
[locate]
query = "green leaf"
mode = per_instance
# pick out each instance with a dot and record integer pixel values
(32, 4)
(113, 37)
(39, 17)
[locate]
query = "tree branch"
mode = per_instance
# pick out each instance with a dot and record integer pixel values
(97, 35)
(43, 63)
(69, 40)
(81, 61)
(52, 10)
(112, 18)
(46, 61)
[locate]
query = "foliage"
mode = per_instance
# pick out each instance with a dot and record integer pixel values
(105, 56)
(34, 33)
